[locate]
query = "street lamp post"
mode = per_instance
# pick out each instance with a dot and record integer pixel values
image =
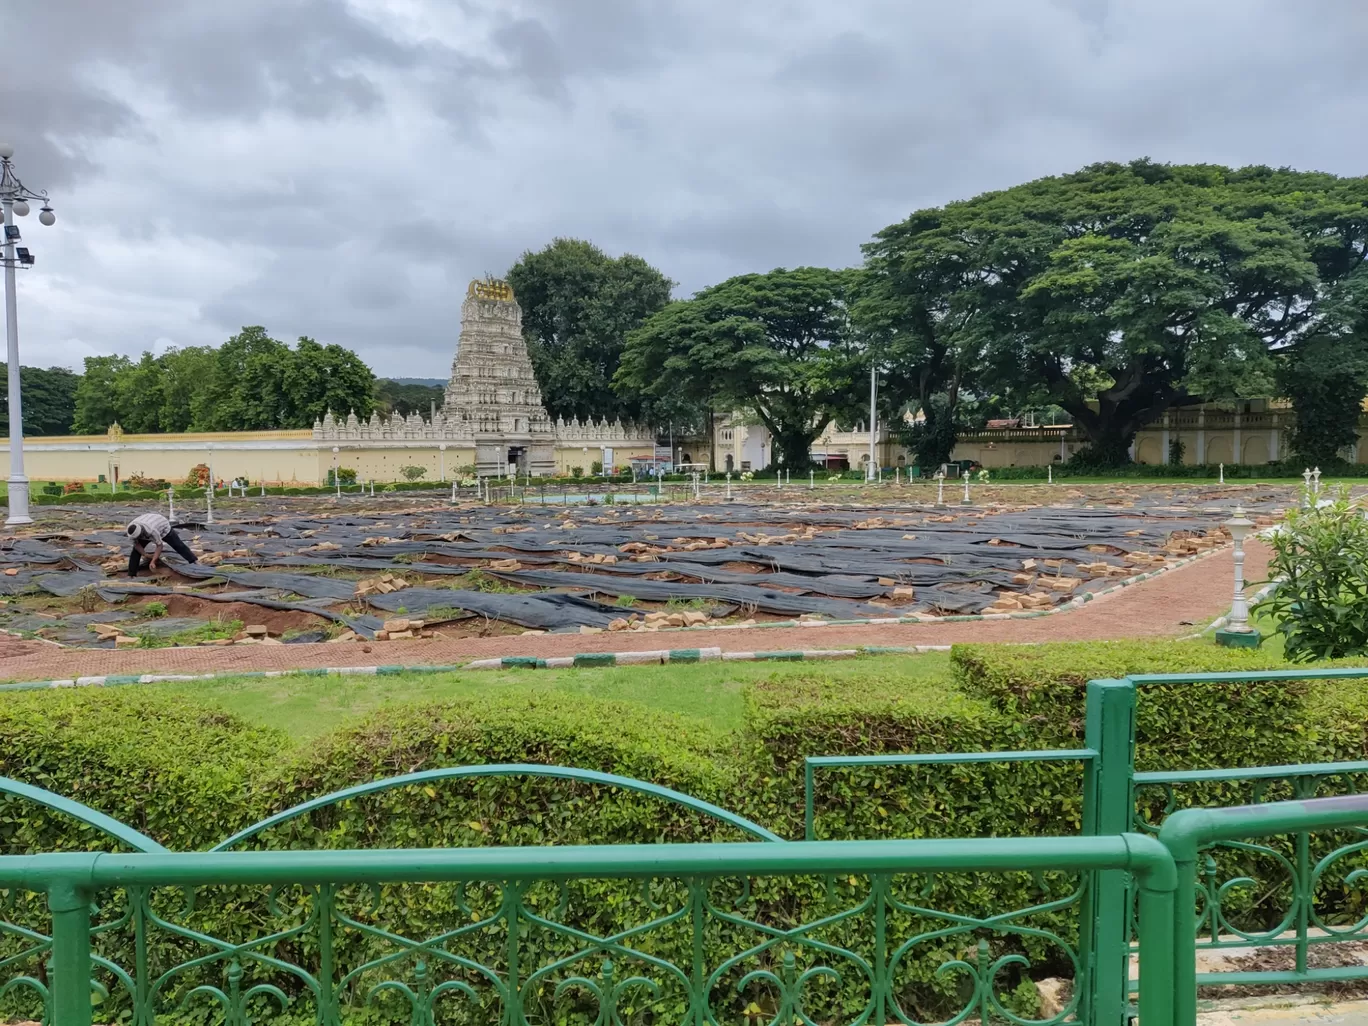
(14, 197)
(1237, 633)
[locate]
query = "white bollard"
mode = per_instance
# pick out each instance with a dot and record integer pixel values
(729, 486)
(940, 489)
(453, 491)
(1221, 471)
(1049, 473)
(171, 505)
(812, 479)
(965, 500)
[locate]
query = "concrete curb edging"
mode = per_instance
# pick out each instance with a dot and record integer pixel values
(584, 659)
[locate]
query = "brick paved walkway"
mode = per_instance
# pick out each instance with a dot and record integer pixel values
(1167, 606)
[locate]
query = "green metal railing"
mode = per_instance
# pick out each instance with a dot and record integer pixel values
(1187, 833)
(1235, 910)
(767, 932)
(693, 933)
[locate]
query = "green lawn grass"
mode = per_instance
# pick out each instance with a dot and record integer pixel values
(306, 706)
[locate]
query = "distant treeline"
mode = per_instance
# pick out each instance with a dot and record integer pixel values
(251, 383)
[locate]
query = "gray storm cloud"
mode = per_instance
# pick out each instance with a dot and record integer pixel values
(341, 169)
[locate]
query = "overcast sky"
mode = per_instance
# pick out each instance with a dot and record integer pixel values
(342, 168)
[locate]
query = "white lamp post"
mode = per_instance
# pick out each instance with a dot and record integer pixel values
(209, 492)
(337, 479)
(965, 500)
(1306, 491)
(1237, 633)
(14, 197)
(441, 462)
(940, 488)
(1315, 482)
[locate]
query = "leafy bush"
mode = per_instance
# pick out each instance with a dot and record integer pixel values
(52, 488)
(348, 476)
(1321, 556)
(413, 473)
(190, 777)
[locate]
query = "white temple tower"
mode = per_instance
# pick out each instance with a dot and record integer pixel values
(493, 392)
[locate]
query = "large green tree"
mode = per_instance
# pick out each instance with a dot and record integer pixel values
(779, 345)
(251, 383)
(579, 305)
(97, 394)
(49, 399)
(319, 378)
(1326, 376)
(1172, 283)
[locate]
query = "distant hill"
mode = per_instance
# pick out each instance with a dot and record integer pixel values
(418, 381)
(408, 395)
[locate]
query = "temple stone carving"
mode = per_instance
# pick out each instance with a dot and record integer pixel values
(493, 392)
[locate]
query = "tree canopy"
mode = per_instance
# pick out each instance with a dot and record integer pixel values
(49, 399)
(579, 305)
(251, 383)
(1174, 284)
(779, 345)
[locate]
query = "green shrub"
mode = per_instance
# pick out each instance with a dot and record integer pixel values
(166, 766)
(1320, 555)
(1192, 726)
(189, 777)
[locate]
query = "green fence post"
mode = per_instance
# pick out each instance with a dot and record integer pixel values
(70, 982)
(1109, 805)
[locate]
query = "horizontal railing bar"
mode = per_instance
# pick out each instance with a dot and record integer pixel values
(1134, 852)
(1247, 677)
(1276, 976)
(1306, 769)
(950, 758)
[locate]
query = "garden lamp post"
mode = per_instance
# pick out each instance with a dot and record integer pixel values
(1306, 491)
(209, 485)
(1315, 482)
(1237, 633)
(14, 198)
(441, 462)
(940, 488)
(337, 478)
(965, 500)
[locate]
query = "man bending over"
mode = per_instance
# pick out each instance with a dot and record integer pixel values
(155, 530)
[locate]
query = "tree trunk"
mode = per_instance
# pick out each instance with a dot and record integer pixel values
(712, 442)
(794, 449)
(1138, 398)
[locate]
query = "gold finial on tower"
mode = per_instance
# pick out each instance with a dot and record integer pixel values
(490, 288)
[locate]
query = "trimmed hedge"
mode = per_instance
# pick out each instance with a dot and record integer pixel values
(190, 777)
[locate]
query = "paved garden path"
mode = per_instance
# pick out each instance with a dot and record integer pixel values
(1166, 606)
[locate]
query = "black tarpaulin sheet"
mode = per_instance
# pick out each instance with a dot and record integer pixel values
(538, 611)
(764, 599)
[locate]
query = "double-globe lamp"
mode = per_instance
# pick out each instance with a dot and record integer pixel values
(14, 198)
